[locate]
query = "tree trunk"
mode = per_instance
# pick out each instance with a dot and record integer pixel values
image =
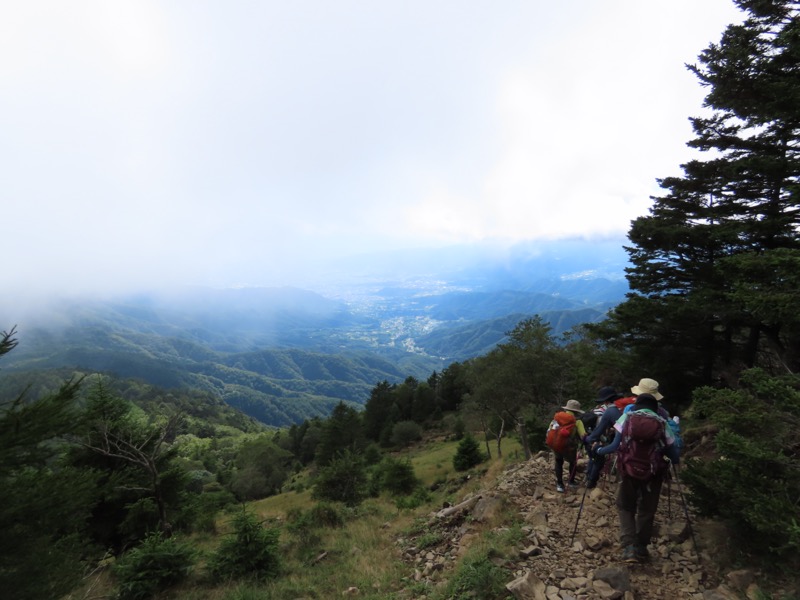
(486, 437)
(523, 434)
(500, 438)
(158, 496)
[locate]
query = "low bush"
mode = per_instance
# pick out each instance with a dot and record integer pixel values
(414, 500)
(468, 454)
(343, 480)
(477, 578)
(755, 474)
(251, 552)
(396, 476)
(326, 514)
(405, 433)
(156, 564)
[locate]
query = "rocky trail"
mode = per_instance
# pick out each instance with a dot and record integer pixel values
(551, 566)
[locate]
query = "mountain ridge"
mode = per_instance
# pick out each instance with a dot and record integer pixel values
(288, 353)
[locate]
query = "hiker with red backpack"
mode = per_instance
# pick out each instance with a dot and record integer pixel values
(642, 442)
(563, 437)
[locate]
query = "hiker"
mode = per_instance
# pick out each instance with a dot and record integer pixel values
(615, 409)
(604, 433)
(642, 441)
(563, 437)
(605, 398)
(591, 417)
(650, 386)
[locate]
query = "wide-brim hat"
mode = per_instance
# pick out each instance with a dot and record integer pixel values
(573, 406)
(607, 394)
(647, 386)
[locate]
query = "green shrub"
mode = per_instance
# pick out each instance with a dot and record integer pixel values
(304, 532)
(396, 476)
(754, 482)
(537, 432)
(204, 508)
(325, 514)
(405, 433)
(154, 565)
(429, 539)
(458, 428)
(418, 498)
(477, 578)
(252, 551)
(343, 480)
(372, 454)
(468, 454)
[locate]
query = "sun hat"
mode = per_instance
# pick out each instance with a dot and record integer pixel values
(647, 386)
(607, 394)
(573, 405)
(647, 401)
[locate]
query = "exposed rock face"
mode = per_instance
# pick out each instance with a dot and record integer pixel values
(571, 549)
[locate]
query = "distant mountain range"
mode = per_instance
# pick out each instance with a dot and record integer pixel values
(285, 354)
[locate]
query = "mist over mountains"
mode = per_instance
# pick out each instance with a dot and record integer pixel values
(282, 354)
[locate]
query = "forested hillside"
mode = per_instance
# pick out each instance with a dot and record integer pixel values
(282, 354)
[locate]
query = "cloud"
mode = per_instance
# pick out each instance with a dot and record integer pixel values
(149, 143)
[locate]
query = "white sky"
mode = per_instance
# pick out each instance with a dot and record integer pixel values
(235, 142)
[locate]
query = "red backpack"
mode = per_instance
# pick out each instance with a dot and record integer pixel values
(559, 434)
(640, 451)
(623, 402)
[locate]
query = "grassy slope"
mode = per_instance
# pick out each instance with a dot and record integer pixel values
(363, 553)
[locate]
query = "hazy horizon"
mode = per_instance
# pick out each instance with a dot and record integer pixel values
(194, 143)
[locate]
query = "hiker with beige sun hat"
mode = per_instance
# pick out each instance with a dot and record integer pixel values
(647, 386)
(563, 437)
(650, 386)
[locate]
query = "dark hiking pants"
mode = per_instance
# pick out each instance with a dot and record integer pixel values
(637, 502)
(571, 459)
(595, 469)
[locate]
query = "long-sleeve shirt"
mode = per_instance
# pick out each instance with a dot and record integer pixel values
(609, 417)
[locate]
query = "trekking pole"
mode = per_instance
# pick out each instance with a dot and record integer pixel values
(669, 496)
(574, 469)
(580, 510)
(609, 470)
(685, 509)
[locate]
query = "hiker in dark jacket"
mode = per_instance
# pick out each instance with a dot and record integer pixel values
(638, 495)
(605, 399)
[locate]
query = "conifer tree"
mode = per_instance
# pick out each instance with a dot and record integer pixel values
(342, 431)
(44, 504)
(713, 262)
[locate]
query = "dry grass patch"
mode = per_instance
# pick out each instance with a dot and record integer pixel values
(277, 507)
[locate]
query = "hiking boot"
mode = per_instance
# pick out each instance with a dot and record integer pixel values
(573, 485)
(560, 488)
(641, 553)
(629, 554)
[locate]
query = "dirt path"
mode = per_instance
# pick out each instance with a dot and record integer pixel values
(552, 565)
(591, 567)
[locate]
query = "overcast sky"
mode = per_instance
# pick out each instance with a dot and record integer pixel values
(236, 142)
